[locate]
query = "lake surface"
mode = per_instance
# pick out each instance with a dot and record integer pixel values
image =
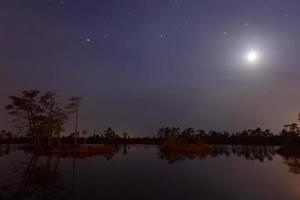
(143, 172)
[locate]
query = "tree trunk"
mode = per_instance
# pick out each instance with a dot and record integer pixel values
(31, 129)
(58, 139)
(76, 123)
(49, 138)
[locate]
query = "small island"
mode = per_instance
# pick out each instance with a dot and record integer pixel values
(184, 143)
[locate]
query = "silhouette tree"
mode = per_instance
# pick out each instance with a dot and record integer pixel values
(200, 133)
(268, 133)
(27, 113)
(55, 116)
(258, 131)
(109, 133)
(2, 134)
(73, 107)
(188, 133)
(161, 132)
(291, 130)
(37, 115)
(125, 135)
(175, 131)
(85, 136)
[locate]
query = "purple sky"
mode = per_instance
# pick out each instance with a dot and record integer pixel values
(143, 64)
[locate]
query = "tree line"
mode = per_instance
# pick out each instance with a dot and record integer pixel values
(41, 117)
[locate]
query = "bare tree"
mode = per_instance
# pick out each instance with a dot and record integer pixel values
(73, 107)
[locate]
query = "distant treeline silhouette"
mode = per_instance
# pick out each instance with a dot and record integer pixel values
(247, 137)
(40, 119)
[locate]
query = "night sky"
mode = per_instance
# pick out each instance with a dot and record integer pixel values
(143, 64)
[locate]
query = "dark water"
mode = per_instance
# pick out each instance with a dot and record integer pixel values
(142, 172)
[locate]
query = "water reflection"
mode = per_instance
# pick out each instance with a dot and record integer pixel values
(6, 149)
(259, 153)
(293, 164)
(172, 158)
(247, 152)
(44, 177)
(38, 178)
(125, 149)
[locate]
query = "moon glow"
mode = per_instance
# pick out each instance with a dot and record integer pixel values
(252, 56)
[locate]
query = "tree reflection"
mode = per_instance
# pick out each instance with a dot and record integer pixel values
(254, 152)
(40, 178)
(259, 153)
(293, 163)
(291, 156)
(125, 149)
(6, 149)
(175, 157)
(36, 179)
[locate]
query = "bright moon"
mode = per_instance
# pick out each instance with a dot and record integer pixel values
(252, 56)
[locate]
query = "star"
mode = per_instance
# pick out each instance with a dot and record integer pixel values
(88, 40)
(161, 36)
(285, 14)
(61, 2)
